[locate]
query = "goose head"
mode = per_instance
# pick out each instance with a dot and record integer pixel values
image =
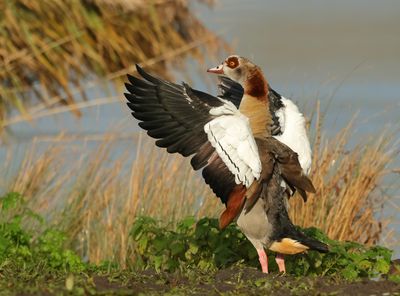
(245, 72)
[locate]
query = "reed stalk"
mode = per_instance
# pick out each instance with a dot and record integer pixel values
(50, 48)
(95, 187)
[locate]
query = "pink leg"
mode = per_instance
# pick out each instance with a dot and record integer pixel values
(262, 257)
(281, 262)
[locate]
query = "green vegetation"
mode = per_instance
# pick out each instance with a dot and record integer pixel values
(34, 257)
(201, 245)
(26, 243)
(191, 245)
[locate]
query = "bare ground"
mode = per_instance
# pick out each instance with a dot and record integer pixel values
(230, 281)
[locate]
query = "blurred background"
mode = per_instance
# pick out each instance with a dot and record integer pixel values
(70, 146)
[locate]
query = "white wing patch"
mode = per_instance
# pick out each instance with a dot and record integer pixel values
(231, 136)
(294, 133)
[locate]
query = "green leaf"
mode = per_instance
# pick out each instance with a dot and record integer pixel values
(350, 272)
(260, 282)
(365, 264)
(394, 278)
(11, 201)
(177, 248)
(186, 223)
(158, 260)
(193, 248)
(142, 244)
(382, 266)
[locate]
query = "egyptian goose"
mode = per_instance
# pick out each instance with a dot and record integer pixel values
(239, 158)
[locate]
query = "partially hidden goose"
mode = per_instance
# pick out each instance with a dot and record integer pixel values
(240, 160)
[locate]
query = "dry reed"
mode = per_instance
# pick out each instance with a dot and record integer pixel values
(95, 197)
(95, 193)
(349, 184)
(50, 48)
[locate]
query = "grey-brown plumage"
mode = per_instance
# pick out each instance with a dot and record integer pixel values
(265, 220)
(275, 153)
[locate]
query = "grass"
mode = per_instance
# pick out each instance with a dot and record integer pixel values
(94, 192)
(349, 182)
(51, 48)
(194, 257)
(26, 238)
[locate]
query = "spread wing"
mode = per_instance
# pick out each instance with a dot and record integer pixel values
(191, 122)
(233, 92)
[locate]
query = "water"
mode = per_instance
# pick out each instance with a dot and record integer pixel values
(351, 48)
(344, 53)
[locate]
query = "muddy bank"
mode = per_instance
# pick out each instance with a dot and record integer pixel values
(231, 281)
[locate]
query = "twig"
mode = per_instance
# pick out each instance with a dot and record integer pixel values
(168, 55)
(24, 55)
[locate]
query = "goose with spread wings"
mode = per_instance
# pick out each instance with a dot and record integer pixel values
(234, 148)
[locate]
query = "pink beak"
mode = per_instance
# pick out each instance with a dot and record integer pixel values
(217, 70)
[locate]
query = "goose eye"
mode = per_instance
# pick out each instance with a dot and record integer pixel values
(232, 62)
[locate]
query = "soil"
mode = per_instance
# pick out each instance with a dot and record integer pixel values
(240, 281)
(237, 280)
